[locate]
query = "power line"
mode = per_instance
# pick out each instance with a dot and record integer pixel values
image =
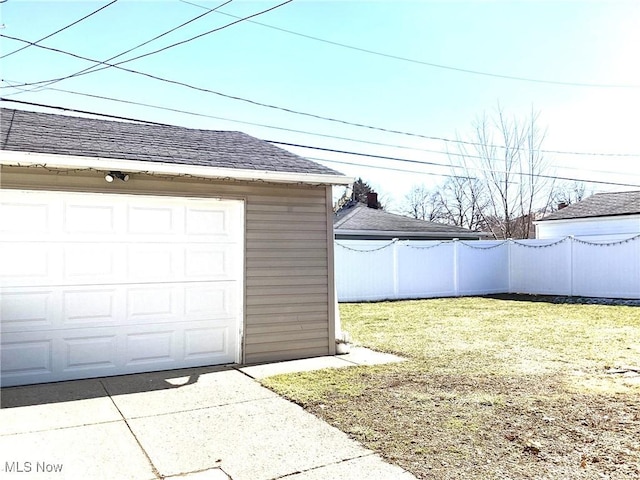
(449, 165)
(69, 109)
(116, 65)
(305, 132)
(297, 112)
(519, 174)
(60, 30)
(429, 64)
(92, 68)
(398, 159)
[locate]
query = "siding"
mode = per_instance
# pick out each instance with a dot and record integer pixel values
(288, 275)
(601, 228)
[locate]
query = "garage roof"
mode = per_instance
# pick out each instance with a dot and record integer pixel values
(600, 205)
(357, 220)
(227, 152)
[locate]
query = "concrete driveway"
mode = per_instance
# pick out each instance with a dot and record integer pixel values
(200, 423)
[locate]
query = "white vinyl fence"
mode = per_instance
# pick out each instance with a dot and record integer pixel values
(382, 270)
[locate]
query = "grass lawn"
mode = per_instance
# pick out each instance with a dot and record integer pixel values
(492, 389)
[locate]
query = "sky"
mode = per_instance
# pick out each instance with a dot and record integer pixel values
(427, 69)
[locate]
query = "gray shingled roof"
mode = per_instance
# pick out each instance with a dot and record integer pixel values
(36, 132)
(359, 217)
(600, 205)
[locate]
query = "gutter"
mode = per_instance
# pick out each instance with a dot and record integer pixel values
(399, 234)
(70, 162)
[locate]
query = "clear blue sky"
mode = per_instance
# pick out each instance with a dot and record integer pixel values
(595, 42)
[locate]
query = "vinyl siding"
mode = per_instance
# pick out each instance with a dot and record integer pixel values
(287, 276)
(288, 290)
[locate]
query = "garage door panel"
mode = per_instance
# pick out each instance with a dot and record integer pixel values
(206, 342)
(92, 263)
(26, 264)
(89, 306)
(90, 352)
(101, 284)
(159, 262)
(89, 219)
(26, 356)
(14, 213)
(152, 220)
(24, 309)
(213, 300)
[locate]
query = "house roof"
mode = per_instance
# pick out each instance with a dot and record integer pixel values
(358, 219)
(53, 134)
(600, 205)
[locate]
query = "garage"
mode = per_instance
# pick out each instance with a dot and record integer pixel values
(105, 284)
(133, 246)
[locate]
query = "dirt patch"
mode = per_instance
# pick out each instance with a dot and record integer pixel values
(444, 427)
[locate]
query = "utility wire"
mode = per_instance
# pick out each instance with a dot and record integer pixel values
(306, 132)
(92, 68)
(60, 30)
(397, 159)
(429, 64)
(295, 112)
(116, 65)
(519, 174)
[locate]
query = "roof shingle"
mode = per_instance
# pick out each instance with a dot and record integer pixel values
(600, 205)
(37, 132)
(358, 216)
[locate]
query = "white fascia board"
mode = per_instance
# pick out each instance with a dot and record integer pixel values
(395, 234)
(70, 162)
(601, 218)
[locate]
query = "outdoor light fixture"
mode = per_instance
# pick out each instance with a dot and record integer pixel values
(111, 176)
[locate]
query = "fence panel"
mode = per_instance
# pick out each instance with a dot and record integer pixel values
(540, 267)
(425, 269)
(607, 270)
(483, 267)
(364, 270)
(380, 270)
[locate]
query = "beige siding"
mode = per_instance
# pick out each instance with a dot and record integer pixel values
(287, 273)
(287, 276)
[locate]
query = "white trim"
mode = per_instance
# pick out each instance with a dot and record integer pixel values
(396, 234)
(15, 158)
(600, 218)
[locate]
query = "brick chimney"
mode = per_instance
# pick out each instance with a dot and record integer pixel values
(372, 200)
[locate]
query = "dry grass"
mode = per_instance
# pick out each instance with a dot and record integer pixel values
(493, 389)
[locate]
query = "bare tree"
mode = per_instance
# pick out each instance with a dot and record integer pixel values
(509, 169)
(461, 201)
(423, 204)
(565, 194)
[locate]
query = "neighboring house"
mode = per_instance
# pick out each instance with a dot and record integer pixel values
(357, 221)
(603, 216)
(130, 247)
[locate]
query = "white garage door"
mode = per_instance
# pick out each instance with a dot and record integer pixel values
(101, 284)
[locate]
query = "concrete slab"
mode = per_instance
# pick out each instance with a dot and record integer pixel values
(294, 366)
(57, 405)
(370, 467)
(365, 356)
(105, 451)
(209, 474)
(357, 356)
(159, 393)
(261, 439)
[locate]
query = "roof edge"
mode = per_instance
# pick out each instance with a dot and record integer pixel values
(31, 159)
(453, 234)
(591, 217)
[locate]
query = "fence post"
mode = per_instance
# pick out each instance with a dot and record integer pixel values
(571, 269)
(456, 286)
(396, 273)
(509, 246)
